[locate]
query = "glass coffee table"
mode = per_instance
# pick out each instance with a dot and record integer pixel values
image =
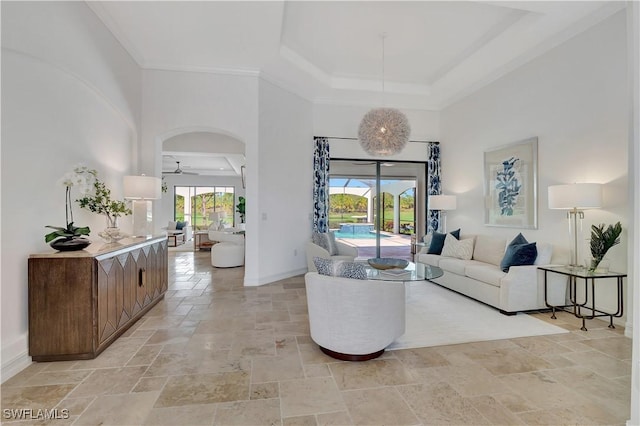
(412, 272)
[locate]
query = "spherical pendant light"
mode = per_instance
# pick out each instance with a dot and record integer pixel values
(384, 131)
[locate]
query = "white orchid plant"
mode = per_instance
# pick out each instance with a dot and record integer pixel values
(83, 178)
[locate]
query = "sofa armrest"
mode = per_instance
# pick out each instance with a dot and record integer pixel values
(523, 289)
(314, 250)
(346, 249)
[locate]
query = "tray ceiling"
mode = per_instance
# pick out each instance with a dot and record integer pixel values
(436, 52)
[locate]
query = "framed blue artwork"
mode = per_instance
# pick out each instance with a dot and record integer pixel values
(511, 185)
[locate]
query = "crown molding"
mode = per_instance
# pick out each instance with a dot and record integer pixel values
(243, 72)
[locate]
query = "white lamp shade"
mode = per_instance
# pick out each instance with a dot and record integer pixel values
(142, 187)
(442, 202)
(579, 196)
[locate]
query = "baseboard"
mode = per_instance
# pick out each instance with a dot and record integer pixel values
(15, 358)
(628, 330)
(272, 278)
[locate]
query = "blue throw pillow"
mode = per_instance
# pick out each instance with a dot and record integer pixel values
(519, 252)
(180, 225)
(437, 241)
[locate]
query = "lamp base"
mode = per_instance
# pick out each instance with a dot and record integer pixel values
(142, 218)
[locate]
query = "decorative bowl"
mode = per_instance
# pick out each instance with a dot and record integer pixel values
(70, 244)
(388, 263)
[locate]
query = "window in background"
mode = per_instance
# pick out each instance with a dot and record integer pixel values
(195, 204)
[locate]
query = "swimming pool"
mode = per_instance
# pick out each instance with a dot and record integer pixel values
(358, 235)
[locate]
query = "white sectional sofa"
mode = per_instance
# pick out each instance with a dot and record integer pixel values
(519, 289)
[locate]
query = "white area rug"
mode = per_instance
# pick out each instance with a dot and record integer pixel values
(437, 316)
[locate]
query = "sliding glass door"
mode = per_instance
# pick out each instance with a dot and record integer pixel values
(378, 206)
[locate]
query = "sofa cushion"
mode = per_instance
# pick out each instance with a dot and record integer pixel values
(486, 273)
(460, 249)
(340, 268)
(323, 239)
(320, 239)
(489, 249)
(428, 259)
(180, 225)
(453, 265)
(437, 241)
(333, 246)
(519, 252)
(172, 225)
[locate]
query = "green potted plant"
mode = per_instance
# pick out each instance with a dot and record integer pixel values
(240, 209)
(70, 237)
(100, 202)
(601, 241)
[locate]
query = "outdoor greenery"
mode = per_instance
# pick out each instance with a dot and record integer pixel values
(240, 208)
(202, 205)
(350, 208)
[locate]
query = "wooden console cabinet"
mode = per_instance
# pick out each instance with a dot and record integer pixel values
(81, 301)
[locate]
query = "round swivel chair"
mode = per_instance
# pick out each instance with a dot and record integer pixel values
(229, 251)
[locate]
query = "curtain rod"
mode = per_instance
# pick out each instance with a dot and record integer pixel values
(355, 139)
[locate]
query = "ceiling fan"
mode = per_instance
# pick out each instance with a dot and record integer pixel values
(179, 171)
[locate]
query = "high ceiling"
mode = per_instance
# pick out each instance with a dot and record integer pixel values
(436, 52)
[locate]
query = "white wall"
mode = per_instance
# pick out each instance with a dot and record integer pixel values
(633, 39)
(176, 102)
(285, 185)
(70, 94)
(574, 99)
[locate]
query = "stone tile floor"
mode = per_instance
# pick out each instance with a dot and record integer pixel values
(214, 352)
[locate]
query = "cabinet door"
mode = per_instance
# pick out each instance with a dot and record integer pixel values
(143, 297)
(114, 295)
(156, 272)
(163, 265)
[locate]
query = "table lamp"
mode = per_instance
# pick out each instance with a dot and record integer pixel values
(575, 198)
(141, 190)
(442, 203)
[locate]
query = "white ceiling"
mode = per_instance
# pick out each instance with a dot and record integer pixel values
(436, 52)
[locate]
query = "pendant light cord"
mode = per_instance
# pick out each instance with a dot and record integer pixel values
(383, 35)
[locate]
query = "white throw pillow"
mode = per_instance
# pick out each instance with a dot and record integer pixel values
(460, 249)
(489, 249)
(545, 251)
(172, 225)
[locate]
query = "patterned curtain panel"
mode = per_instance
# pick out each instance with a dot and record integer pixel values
(321, 185)
(433, 183)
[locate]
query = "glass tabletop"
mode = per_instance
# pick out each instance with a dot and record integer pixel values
(581, 272)
(413, 272)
